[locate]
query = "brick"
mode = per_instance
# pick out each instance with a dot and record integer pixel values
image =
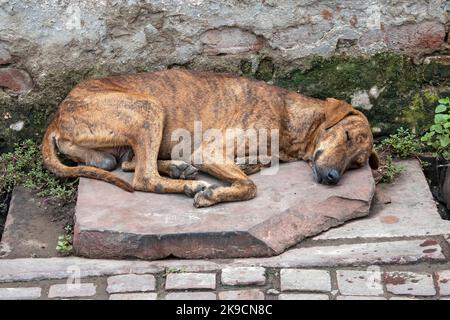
(5, 56)
(191, 296)
(303, 296)
(243, 276)
(359, 298)
(402, 298)
(252, 294)
(305, 280)
(18, 270)
(176, 281)
(130, 283)
(16, 81)
(20, 293)
(410, 283)
(72, 290)
(443, 280)
(230, 41)
(133, 296)
(359, 283)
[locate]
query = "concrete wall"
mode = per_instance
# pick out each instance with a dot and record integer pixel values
(47, 46)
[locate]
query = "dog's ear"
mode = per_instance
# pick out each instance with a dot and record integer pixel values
(336, 110)
(374, 161)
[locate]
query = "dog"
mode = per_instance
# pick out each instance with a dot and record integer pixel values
(129, 120)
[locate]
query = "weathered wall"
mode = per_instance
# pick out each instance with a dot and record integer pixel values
(322, 48)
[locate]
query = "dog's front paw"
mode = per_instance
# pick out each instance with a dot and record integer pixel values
(182, 170)
(195, 187)
(205, 198)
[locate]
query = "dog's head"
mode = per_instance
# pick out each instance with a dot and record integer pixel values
(344, 142)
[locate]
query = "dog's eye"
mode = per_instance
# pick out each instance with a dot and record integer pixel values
(347, 136)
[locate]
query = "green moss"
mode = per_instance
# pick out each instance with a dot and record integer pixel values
(417, 115)
(265, 70)
(246, 68)
(397, 77)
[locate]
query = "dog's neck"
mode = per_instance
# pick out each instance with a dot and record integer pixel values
(301, 127)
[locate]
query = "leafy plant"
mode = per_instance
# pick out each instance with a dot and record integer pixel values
(438, 135)
(24, 167)
(390, 170)
(403, 144)
(64, 244)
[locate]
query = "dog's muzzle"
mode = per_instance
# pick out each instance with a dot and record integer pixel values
(326, 175)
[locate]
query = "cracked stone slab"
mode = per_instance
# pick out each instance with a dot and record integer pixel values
(112, 223)
(411, 212)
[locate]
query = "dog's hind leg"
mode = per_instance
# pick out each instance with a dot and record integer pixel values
(146, 176)
(86, 156)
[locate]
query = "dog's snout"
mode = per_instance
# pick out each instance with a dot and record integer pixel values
(333, 176)
(326, 176)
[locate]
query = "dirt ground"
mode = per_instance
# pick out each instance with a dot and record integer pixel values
(34, 224)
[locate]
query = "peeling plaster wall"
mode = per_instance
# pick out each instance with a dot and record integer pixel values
(47, 46)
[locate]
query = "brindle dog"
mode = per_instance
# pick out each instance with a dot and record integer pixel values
(100, 118)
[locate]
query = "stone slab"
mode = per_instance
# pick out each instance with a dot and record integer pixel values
(360, 254)
(359, 298)
(239, 276)
(251, 294)
(359, 283)
(412, 211)
(72, 290)
(303, 296)
(133, 296)
(410, 283)
(131, 283)
(443, 280)
(17, 270)
(199, 296)
(20, 293)
(305, 280)
(177, 281)
(112, 223)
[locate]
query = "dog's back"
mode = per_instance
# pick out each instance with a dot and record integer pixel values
(217, 101)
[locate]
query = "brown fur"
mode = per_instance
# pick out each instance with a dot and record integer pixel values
(101, 118)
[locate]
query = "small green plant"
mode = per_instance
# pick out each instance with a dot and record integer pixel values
(391, 170)
(64, 244)
(174, 270)
(24, 167)
(437, 138)
(403, 144)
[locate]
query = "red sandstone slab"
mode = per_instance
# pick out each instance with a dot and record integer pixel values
(112, 223)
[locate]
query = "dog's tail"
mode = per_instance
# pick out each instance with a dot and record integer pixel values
(52, 163)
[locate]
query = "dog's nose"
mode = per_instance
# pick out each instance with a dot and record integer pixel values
(333, 176)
